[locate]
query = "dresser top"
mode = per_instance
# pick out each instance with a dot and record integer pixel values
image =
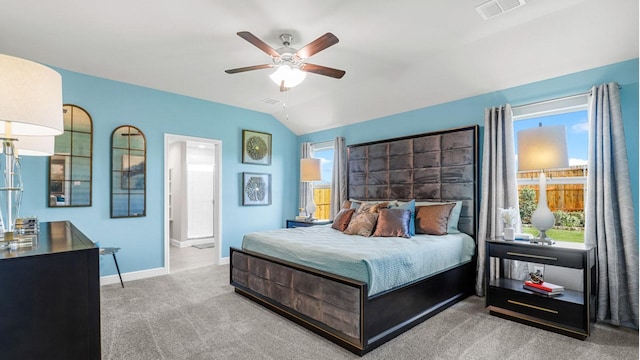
(54, 237)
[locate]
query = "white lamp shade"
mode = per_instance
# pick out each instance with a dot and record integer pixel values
(291, 76)
(30, 98)
(542, 148)
(310, 169)
(35, 145)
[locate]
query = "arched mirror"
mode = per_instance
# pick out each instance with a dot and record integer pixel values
(70, 165)
(128, 172)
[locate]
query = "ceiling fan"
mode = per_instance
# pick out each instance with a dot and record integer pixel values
(290, 62)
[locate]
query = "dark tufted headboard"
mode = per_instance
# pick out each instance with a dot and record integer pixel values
(437, 166)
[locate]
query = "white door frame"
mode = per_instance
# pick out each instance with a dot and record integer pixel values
(217, 193)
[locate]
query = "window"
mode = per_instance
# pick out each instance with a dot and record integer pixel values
(322, 188)
(566, 188)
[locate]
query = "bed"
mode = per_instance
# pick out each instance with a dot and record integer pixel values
(343, 299)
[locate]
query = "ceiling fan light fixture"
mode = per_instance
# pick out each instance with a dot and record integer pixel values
(292, 76)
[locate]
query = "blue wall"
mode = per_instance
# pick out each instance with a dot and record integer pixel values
(141, 240)
(470, 111)
(112, 104)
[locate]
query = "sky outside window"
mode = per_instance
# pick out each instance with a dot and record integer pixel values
(326, 156)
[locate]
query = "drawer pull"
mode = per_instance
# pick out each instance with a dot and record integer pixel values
(532, 306)
(532, 256)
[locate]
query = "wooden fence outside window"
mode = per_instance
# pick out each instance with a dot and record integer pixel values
(566, 188)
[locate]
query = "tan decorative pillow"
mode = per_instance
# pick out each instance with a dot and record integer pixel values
(373, 207)
(393, 222)
(362, 223)
(432, 220)
(342, 219)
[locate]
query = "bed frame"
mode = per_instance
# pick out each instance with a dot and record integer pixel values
(437, 166)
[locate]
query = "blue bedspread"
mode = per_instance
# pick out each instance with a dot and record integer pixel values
(382, 262)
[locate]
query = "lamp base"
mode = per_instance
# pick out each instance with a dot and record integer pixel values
(542, 239)
(311, 208)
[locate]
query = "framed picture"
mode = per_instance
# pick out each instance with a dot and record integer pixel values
(256, 189)
(132, 172)
(256, 147)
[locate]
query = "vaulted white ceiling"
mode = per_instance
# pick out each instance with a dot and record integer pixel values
(398, 55)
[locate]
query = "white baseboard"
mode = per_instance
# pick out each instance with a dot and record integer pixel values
(130, 276)
(187, 243)
(143, 274)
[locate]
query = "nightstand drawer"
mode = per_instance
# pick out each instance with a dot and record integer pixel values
(550, 309)
(542, 254)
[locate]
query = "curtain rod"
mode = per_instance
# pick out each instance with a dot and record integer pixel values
(555, 99)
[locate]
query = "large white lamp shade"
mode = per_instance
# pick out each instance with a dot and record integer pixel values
(542, 148)
(310, 169)
(30, 98)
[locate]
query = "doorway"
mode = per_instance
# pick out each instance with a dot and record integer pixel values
(192, 225)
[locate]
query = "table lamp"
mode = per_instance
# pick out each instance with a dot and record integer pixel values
(542, 148)
(310, 172)
(30, 105)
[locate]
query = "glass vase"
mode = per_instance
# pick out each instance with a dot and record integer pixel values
(10, 189)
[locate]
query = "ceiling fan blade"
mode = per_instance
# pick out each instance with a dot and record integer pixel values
(322, 70)
(317, 45)
(258, 43)
(248, 68)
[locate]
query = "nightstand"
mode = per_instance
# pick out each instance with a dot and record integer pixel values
(304, 223)
(569, 313)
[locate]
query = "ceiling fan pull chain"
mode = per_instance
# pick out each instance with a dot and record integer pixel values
(284, 104)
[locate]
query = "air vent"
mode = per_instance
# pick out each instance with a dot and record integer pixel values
(497, 7)
(270, 101)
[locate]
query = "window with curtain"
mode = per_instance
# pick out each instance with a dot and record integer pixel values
(322, 189)
(566, 188)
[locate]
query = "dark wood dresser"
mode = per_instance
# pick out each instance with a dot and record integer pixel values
(50, 297)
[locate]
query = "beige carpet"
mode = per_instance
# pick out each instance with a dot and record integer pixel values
(195, 314)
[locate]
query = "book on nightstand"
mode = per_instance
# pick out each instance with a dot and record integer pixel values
(541, 292)
(544, 288)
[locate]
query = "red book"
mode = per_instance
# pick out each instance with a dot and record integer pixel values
(546, 286)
